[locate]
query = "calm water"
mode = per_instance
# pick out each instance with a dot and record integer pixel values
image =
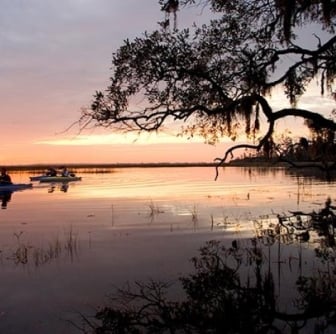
(62, 249)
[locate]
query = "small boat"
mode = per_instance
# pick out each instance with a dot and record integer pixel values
(36, 178)
(45, 178)
(4, 187)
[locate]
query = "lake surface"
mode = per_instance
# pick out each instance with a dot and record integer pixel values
(64, 247)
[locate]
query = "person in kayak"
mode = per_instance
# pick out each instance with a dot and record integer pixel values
(4, 177)
(51, 172)
(65, 171)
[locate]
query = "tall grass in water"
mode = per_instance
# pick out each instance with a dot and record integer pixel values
(112, 215)
(25, 253)
(154, 210)
(194, 217)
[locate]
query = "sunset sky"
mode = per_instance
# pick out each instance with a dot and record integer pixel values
(54, 56)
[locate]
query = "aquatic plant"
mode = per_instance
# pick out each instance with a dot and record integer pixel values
(194, 216)
(154, 210)
(26, 253)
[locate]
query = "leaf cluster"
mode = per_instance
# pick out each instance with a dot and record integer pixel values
(215, 79)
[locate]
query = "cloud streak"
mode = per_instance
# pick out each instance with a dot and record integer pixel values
(54, 56)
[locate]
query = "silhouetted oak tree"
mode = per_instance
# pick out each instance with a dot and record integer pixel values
(215, 80)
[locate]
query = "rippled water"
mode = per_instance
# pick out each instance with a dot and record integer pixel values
(125, 197)
(63, 247)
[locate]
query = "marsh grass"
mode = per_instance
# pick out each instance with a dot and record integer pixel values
(112, 215)
(225, 222)
(25, 253)
(154, 210)
(194, 214)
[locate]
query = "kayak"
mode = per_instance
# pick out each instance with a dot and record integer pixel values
(15, 186)
(35, 178)
(45, 178)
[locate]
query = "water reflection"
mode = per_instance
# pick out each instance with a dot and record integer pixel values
(300, 226)
(64, 186)
(232, 289)
(142, 223)
(5, 197)
(250, 286)
(312, 173)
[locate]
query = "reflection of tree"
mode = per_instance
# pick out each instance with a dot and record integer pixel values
(311, 174)
(232, 290)
(298, 225)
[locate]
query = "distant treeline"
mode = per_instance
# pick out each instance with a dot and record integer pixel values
(105, 166)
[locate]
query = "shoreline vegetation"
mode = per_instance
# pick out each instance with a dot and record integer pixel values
(245, 162)
(80, 166)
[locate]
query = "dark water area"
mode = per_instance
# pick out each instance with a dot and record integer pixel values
(65, 246)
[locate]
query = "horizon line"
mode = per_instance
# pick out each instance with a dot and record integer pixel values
(35, 166)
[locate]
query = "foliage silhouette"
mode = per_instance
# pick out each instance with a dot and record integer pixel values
(215, 80)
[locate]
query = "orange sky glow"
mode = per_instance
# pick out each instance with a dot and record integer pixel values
(55, 55)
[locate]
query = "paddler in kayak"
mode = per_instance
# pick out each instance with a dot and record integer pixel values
(4, 177)
(51, 172)
(65, 172)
